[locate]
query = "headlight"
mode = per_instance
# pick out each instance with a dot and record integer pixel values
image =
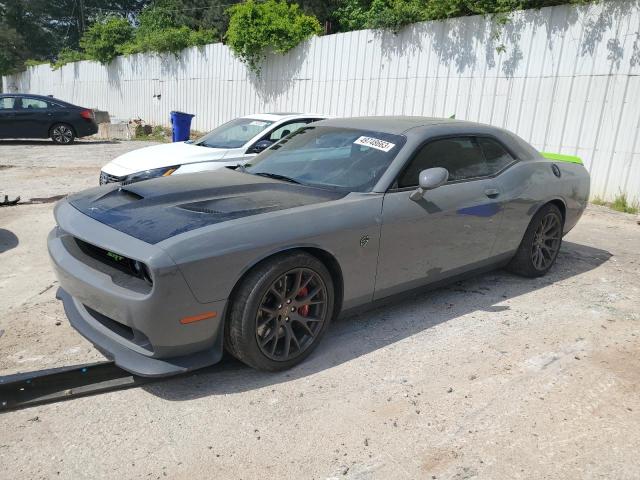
(147, 174)
(141, 270)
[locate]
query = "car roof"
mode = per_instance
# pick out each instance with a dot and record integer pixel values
(397, 124)
(276, 117)
(33, 95)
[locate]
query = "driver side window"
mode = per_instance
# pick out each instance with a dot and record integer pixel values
(465, 158)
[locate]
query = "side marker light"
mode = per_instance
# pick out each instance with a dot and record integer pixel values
(198, 318)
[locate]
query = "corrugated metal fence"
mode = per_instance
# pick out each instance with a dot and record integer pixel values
(564, 78)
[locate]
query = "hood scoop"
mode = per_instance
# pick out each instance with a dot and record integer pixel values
(231, 206)
(194, 207)
(129, 194)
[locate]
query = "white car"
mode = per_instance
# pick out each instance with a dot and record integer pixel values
(230, 144)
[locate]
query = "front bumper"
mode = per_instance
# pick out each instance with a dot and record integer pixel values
(135, 324)
(124, 356)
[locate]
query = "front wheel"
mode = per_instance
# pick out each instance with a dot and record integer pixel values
(280, 312)
(62, 134)
(541, 243)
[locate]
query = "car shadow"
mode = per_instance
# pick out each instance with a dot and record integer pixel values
(8, 240)
(46, 141)
(353, 336)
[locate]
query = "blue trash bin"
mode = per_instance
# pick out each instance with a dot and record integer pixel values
(181, 126)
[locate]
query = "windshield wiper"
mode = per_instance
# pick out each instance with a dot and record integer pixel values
(278, 177)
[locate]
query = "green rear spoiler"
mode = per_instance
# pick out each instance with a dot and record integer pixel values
(561, 158)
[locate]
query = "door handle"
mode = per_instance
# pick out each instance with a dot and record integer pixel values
(492, 192)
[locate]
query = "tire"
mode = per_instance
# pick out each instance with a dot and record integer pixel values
(62, 134)
(538, 250)
(265, 306)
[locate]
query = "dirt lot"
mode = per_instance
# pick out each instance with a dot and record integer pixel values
(496, 377)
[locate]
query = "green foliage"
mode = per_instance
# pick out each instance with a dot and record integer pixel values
(155, 133)
(103, 41)
(256, 29)
(351, 15)
(68, 55)
(12, 51)
(160, 31)
(40, 29)
(622, 204)
(30, 62)
(395, 14)
(169, 40)
(175, 39)
(195, 14)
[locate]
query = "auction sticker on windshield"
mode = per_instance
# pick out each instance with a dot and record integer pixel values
(258, 123)
(375, 143)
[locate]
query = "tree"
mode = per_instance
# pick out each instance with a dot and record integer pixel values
(163, 28)
(13, 51)
(196, 14)
(350, 15)
(256, 29)
(22, 34)
(44, 28)
(104, 40)
(395, 14)
(67, 55)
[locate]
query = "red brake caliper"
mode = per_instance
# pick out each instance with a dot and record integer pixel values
(304, 309)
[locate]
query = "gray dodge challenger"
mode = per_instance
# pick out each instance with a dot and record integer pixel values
(163, 275)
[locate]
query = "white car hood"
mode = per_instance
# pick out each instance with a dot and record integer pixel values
(158, 156)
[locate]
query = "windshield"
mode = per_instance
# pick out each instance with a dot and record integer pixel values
(339, 158)
(233, 134)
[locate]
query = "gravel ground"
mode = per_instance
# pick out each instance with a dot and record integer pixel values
(496, 377)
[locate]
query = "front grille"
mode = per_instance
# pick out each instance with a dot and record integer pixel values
(106, 178)
(119, 262)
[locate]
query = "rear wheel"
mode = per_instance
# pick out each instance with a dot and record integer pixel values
(62, 134)
(541, 243)
(280, 312)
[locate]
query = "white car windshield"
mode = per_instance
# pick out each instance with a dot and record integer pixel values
(336, 158)
(233, 134)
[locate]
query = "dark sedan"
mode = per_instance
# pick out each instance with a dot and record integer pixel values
(37, 116)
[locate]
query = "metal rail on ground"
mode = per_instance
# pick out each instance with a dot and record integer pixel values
(28, 389)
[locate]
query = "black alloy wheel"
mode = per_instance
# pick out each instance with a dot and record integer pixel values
(291, 314)
(546, 241)
(62, 134)
(280, 311)
(540, 244)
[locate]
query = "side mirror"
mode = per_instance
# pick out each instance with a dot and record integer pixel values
(428, 180)
(260, 146)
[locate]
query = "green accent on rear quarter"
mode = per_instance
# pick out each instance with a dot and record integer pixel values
(562, 158)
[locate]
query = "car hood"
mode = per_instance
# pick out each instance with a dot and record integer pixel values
(165, 155)
(161, 208)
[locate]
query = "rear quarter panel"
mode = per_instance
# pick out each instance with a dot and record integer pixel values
(529, 185)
